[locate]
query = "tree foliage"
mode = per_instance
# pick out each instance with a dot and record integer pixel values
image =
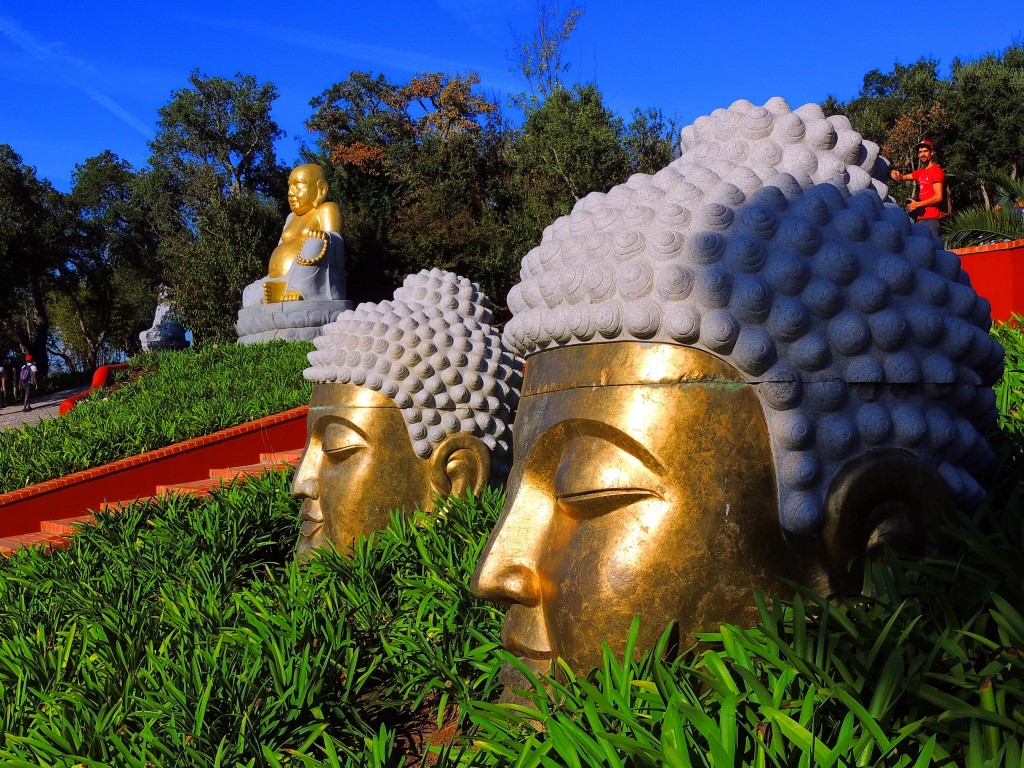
(429, 173)
(986, 118)
(223, 126)
(651, 140)
(33, 239)
(973, 116)
(539, 57)
(215, 190)
(571, 145)
(106, 287)
(419, 170)
(80, 266)
(885, 96)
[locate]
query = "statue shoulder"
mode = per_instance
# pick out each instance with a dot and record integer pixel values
(329, 215)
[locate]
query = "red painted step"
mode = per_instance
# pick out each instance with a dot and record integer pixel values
(22, 510)
(288, 457)
(117, 506)
(49, 541)
(250, 470)
(194, 487)
(64, 527)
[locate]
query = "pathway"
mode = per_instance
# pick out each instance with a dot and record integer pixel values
(43, 407)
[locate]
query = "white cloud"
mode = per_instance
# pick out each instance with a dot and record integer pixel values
(378, 56)
(76, 72)
(488, 19)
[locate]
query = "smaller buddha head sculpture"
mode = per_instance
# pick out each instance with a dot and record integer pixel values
(307, 188)
(749, 368)
(414, 399)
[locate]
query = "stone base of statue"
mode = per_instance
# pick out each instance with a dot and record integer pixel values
(165, 334)
(295, 307)
(289, 320)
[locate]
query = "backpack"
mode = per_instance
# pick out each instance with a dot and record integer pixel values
(946, 203)
(26, 373)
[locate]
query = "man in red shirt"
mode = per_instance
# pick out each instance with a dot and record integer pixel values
(930, 180)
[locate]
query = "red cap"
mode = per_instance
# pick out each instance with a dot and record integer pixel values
(925, 143)
(28, 358)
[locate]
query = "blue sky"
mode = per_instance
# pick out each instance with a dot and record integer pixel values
(89, 75)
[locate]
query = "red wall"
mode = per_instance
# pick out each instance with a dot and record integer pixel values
(23, 510)
(997, 273)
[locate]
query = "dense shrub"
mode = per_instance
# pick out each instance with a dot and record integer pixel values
(166, 397)
(1010, 389)
(183, 634)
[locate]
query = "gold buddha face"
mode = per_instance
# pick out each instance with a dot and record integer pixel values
(359, 466)
(307, 188)
(643, 485)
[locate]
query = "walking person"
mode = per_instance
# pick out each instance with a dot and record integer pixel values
(928, 206)
(3, 386)
(27, 381)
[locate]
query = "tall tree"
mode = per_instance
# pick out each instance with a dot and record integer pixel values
(986, 116)
(223, 126)
(651, 140)
(216, 193)
(34, 242)
(105, 291)
(417, 169)
(364, 136)
(571, 145)
(886, 96)
(539, 57)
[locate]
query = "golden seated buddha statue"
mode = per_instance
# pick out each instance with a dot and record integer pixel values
(304, 288)
(308, 262)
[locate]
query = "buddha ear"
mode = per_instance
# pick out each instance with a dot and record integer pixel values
(321, 192)
(882, 498)
(459, 463)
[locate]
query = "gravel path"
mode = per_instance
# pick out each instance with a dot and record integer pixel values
(43, 407)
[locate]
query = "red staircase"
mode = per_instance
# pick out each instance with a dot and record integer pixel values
(55, 534)
(24, 510)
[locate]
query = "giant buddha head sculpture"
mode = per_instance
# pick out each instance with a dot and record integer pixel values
(748, 368)
(413, 400)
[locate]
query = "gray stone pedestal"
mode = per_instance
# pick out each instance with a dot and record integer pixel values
(289, 320)
(318, 277)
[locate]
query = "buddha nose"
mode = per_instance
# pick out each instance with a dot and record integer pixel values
(508, 569)
(305, 484)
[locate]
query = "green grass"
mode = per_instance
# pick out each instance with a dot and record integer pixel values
(1010, 389)
(172, 396)
(184, 634)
